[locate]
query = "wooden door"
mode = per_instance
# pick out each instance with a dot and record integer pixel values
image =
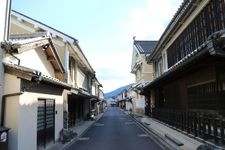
(45, 123)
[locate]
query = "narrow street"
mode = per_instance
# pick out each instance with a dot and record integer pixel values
(115, 130)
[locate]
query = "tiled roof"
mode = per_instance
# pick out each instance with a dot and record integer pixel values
(29, 35)
(214, 46)
(202, 49)
(28, 38)
(20, 68)
(19, 43)
(176, 22)
(140, 84)
(16, 40)
(34, 74)
(54, 32)
(55, 81)
(145, 47)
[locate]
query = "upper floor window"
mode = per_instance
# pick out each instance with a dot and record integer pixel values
(82, 80)
(158, 67)
(164, 60)
(208, 21)
(139, 74)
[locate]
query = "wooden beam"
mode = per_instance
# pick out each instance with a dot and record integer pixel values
(19, 73)
(51, 58)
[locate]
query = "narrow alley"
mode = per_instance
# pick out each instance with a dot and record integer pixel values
(115, 130)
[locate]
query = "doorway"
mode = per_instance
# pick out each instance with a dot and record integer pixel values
(45, 123)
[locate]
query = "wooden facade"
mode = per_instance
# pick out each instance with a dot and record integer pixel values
(78, 108)
(189, 94)
(208, 21)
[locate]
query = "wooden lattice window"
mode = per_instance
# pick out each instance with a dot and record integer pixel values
(208, 21)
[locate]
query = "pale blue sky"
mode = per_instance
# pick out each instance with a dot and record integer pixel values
(104, 29)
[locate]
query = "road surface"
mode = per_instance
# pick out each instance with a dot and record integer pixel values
(115, 130)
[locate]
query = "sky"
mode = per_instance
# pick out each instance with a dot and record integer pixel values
(104, 29)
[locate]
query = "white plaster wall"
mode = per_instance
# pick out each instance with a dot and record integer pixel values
(10, 80)
(21, 115)
(36, 59)
(128, 105)
(21, 118)
(134, 103)
(11, 121)
(27, 138)
(140, 103)
(12, 109)
(27, 129)
(58, 116)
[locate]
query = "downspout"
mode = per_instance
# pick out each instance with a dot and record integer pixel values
(4, 103)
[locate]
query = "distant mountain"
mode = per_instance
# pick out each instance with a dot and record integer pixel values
(116, 91)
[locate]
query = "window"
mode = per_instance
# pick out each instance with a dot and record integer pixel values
(158, 67)
(209, 20)
(164, 60)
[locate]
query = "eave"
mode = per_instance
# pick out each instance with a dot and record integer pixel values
(82, 60)
(38, 24)
(20, 43)
(214, 46)
(135, 67)
(33, 75)
(185, 10)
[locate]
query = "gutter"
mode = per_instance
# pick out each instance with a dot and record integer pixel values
(4, 103)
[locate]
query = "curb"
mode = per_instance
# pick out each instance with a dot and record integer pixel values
(173, 143)
(160, 140)
(209, 145)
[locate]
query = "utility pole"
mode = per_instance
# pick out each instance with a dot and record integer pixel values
(5, 11)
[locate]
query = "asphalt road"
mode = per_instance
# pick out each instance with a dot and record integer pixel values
(115, 130)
